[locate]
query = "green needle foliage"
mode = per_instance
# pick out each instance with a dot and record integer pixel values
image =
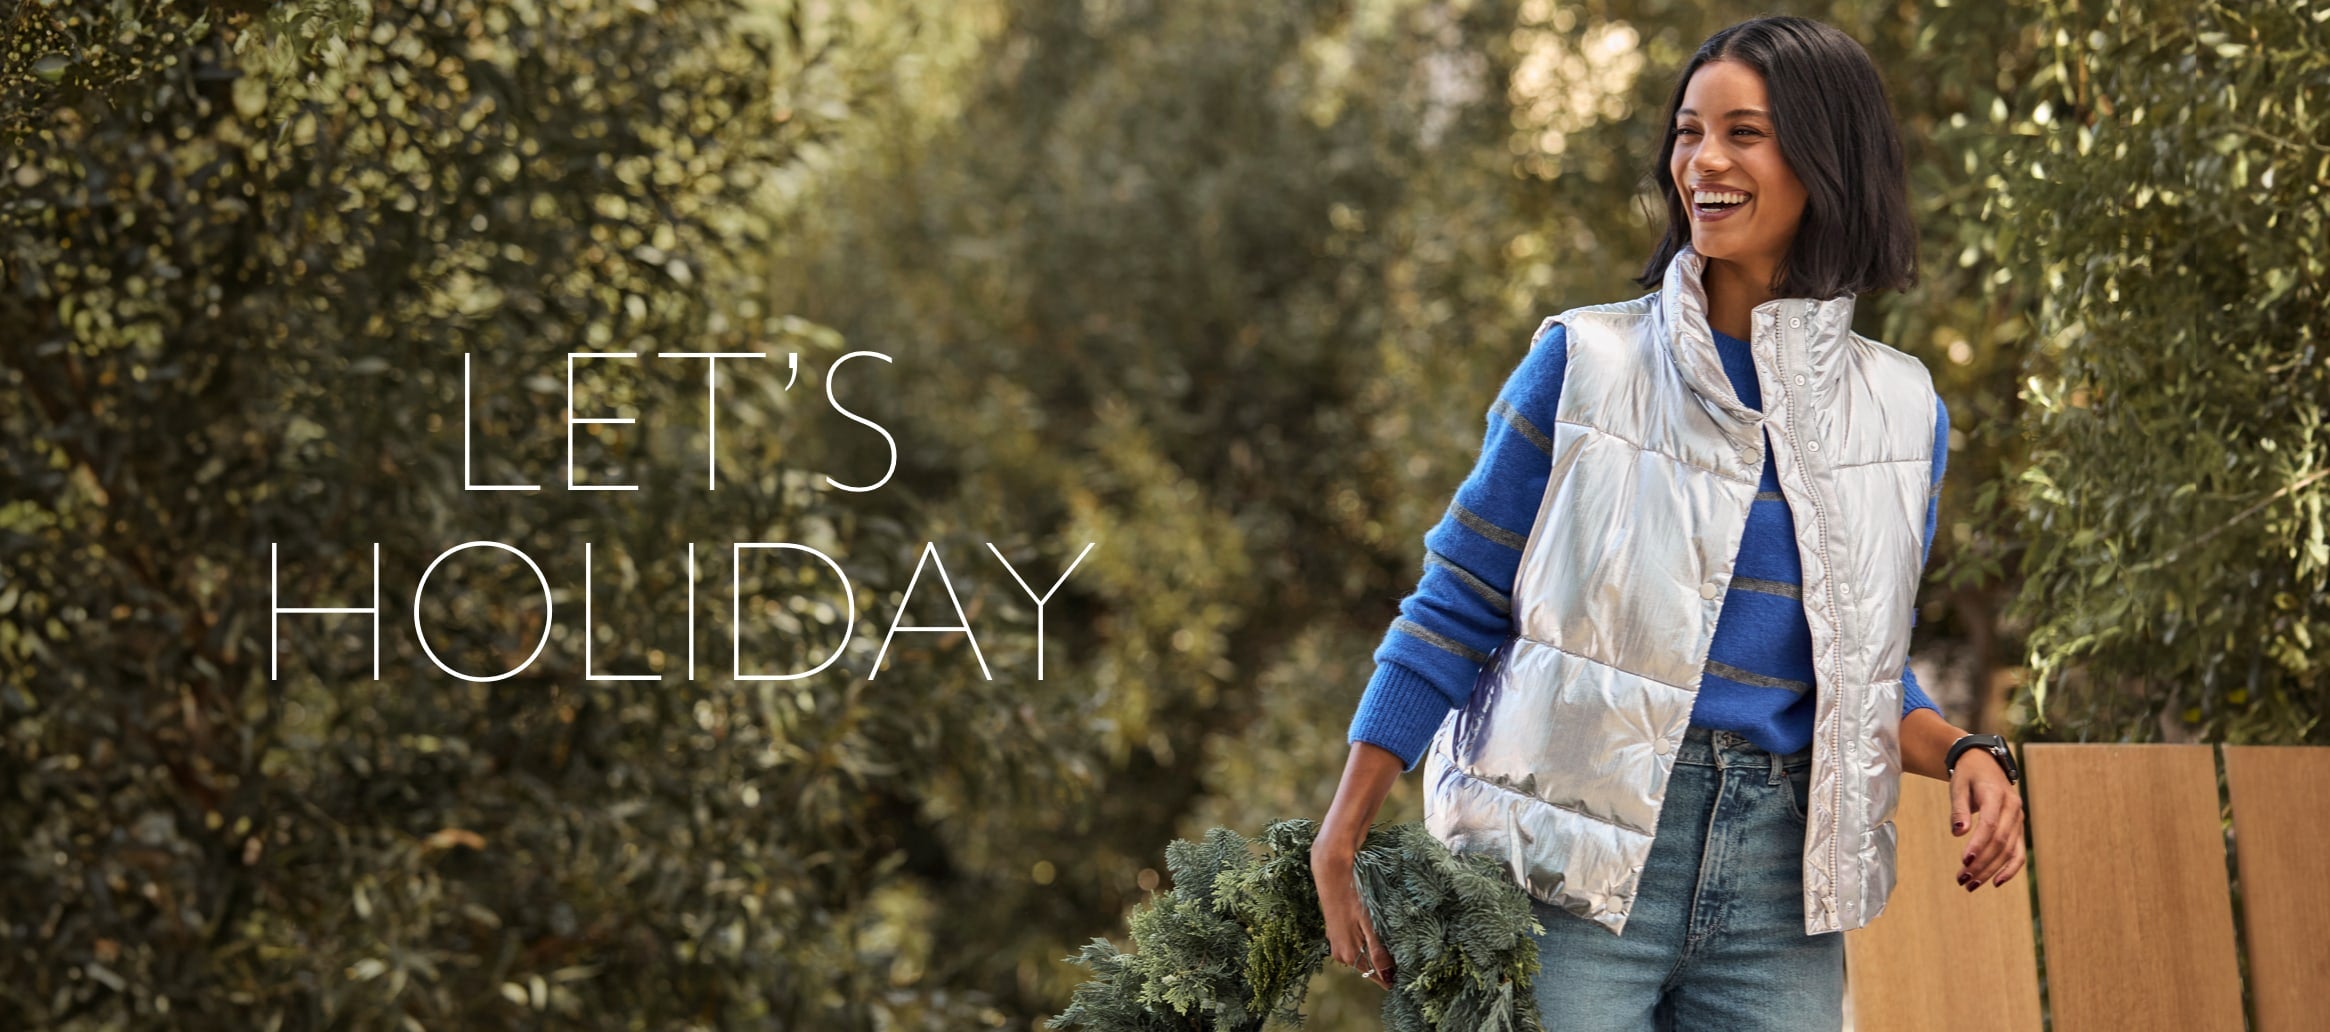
(1235, 942)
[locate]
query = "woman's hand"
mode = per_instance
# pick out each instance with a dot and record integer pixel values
(1985, 807)
(1351, 933)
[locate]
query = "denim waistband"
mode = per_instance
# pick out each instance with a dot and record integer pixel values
(1710, 747)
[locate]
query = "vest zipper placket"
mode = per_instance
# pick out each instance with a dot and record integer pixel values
(1836, 735)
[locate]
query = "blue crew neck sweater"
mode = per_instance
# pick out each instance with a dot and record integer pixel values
(1758, 680)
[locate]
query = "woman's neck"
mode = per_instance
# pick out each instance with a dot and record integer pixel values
(1733, 294)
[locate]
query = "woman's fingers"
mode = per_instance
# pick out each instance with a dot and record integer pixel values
(1338, 945)
(1342, 937)
(1373, 962)
(2000, 829)
(1349, 948)
(2010, 836)
(1382, 958)
(2009, 833)
(2014, 863)
(2021, 859)
(1977, 840)
(1349, 939)
(1979, 835)
(1961, 809)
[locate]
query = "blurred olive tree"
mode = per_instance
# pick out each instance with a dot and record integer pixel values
(2171, 214)
(247, 252)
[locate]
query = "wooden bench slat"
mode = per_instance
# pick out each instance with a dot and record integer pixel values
(2129, 858)
(2281, 832)
(1939, 958)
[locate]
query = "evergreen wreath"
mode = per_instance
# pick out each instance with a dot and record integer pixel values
(1234, 943)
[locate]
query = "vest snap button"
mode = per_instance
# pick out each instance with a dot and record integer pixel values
(1812, 446)
(1662, 747)
(1795, 322)
(1707, 591)
(1800, 379)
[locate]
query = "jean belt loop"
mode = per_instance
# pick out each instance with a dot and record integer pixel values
(1776, 767)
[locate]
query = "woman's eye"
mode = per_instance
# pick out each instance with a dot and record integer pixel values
(1680, 130)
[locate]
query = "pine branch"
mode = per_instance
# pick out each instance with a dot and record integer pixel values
(1236, 940)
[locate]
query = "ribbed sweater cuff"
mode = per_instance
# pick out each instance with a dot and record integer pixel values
(1400, 712)
(1914, 697)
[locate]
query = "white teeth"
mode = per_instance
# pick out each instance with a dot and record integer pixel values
(1711, 196)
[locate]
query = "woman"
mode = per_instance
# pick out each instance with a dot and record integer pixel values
(1658, 651)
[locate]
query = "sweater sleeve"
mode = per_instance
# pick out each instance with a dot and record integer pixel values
(1462, 608)
(1912, 696)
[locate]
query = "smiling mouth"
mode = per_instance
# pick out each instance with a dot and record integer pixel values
(1719, 209)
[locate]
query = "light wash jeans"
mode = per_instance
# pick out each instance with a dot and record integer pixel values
(1716, 937)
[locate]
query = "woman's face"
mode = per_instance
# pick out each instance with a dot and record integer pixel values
(1724, 141)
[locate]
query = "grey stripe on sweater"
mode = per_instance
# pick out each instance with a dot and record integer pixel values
(1492, 596)
(1436, 639)
(1522, 424)
(1726, 670)
(1769, 587)
(1486, 529)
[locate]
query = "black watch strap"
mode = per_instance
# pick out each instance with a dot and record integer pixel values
(1992, 744)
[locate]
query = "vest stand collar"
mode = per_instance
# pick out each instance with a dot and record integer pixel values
(1814, 328)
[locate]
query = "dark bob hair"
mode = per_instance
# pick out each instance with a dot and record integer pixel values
(1837, 132)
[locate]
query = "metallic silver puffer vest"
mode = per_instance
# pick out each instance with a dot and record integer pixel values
(1558, 761)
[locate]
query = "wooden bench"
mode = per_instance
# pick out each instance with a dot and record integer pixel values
(2128, 863)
